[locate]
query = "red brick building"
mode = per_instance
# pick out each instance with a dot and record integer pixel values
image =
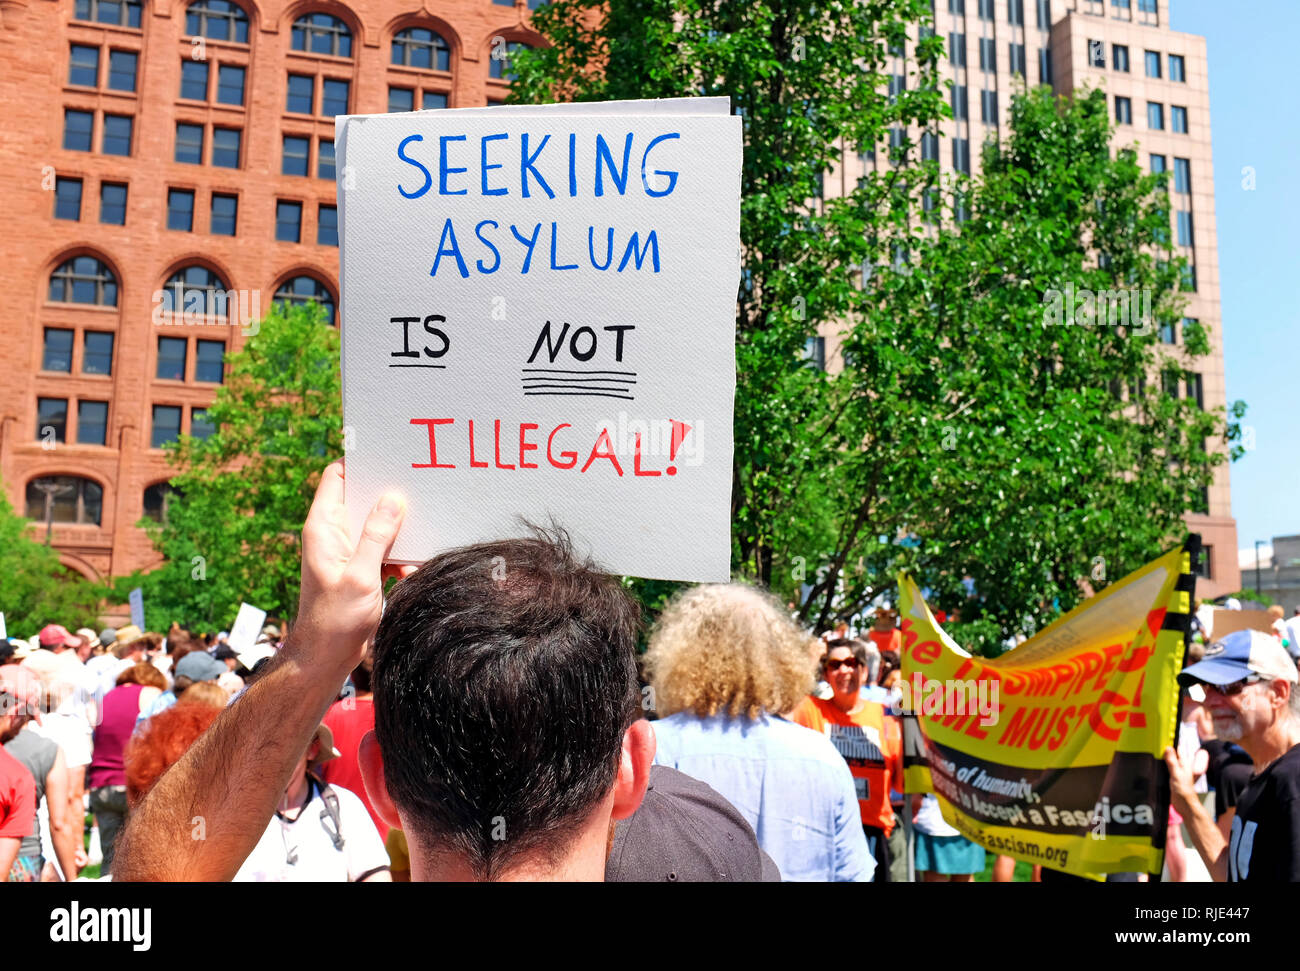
(172, 149)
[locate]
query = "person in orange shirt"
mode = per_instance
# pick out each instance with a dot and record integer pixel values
(885, 633)
(867, 738)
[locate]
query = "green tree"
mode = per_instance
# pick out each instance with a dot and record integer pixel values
(967, 438)
(233, 526)
(35, 589)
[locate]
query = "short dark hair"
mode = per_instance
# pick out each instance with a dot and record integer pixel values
(857, 647)
(504, 681)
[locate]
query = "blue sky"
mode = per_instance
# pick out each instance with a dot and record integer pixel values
(1253, 60)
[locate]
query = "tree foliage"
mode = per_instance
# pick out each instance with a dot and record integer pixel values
(964, 439)
(233, 527)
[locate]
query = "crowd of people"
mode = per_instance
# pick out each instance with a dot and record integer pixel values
(490, 724)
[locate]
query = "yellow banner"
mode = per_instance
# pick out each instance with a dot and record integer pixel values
(1053, 753)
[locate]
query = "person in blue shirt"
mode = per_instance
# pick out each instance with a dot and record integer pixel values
(724, 662)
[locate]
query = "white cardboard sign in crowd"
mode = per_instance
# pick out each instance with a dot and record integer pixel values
(538, 312)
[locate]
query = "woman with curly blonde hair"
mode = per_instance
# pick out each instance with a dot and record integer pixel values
(724, 663)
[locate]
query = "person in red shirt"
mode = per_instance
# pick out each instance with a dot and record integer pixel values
(868, 739)
(349, 719)
(17, 787)
(884, 632)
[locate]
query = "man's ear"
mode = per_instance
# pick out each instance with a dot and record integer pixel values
(634, 768)
(371, 762)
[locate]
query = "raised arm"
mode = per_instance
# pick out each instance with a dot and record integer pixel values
(1209, 842)
(207, 812)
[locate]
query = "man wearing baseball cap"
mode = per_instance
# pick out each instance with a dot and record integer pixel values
(1251, 693)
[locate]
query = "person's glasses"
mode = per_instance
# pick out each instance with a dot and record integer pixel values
(847, 662)
(1237, 687)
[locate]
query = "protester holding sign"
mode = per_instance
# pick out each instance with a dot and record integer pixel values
(1251, 693)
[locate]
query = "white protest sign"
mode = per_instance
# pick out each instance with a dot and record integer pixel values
(246, 628)
(136, 599)
(538, 312)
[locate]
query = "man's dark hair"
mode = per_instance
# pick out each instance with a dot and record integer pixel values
(504, 681)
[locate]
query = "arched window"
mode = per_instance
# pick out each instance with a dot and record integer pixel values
(66, 499)
(157, 498)
(322, 33)
(217, 20)
(499, 58)
(195, 290)
(302, 289)
(421, 47)
(84, 279)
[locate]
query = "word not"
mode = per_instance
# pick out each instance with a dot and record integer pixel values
(99, 924)
(1114, 308)
(602, 448)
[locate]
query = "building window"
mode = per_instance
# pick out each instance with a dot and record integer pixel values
(436, 99)
(171, 359)
(929, 146)
(72, 500)
(1123, 110)
(1016, 57)
(814, 352)
(1167, 333)
(1044, 65)
(1202, 566)
(897, 85)
(157, 499)
(302, 94)
(1119, 57)
(208, 366)
(986, 9)
(195, 290)
(1096, 54)
(1016, 12)
(1184, 228)
(225, 215)
(1182, 175)
(1196, 389)
(180, 210)
(959, 102)
(961, 155)
(121, 70)
(1178, 119)
(67, 199)
(957, 6)
(957, 49)
(97, 352)
(1189, 278)
(499, 60)
(117, 135)
(77, 128)
(1158, 163)
(112, 203)
(230, 84)
(83, 66)
(52, 419)
(92, 422)
(166, 425)
(225, 147)
(334, 97)
(1177, 71)
(1044, 14)
(288, 221)
(1153, 64)
(200, 427)
(119, 13)
(327, 226)
(325, 160)
(401, 99)
(302, 289)
(84, 279)
(422, 48)
(320, 33)
(989, 107)
(1123, 9)
(189, 143)
(294, 159)
(988, 54)
(217, 20)
(194, 80)
(56, 355)
(1155, 116)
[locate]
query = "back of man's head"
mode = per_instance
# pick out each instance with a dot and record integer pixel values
(504, 681)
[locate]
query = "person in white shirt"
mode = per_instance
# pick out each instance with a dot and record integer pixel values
(319, 833)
